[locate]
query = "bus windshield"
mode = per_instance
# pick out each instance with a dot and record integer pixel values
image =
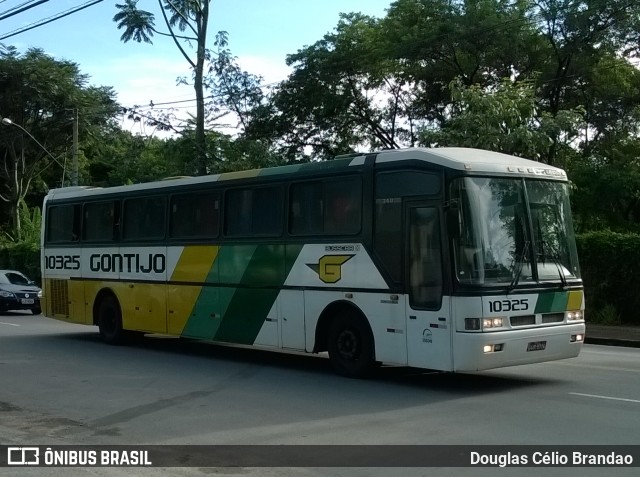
(513, 231)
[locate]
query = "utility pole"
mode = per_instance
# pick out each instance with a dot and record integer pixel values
(74, 175)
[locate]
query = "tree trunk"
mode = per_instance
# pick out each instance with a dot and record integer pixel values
(201, 144)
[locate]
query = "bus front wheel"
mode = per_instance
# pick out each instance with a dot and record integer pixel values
(110, 321)
(350, 346)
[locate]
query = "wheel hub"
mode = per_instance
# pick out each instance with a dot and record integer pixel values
(348, 344)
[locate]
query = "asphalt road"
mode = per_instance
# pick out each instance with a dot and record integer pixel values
(60, 385)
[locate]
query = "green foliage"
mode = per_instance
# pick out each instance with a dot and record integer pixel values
(607, 315)
(22, 256)
(607, 189)
(138, 25)
(609, 263)
(342, 94)
(29, 232)
(553, 81)
(241, 154)
(39, 94)
(506, 119)
(20, 249)
(232, 89)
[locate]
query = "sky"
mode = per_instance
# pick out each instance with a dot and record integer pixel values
(261, 34)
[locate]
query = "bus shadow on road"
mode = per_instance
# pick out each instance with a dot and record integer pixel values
(318, 366)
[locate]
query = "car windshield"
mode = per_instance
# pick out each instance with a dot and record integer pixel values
(513, 231)
(14, 278)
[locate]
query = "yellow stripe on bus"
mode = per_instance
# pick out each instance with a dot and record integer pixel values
(194, 266)
(195, 263)
(575, 300)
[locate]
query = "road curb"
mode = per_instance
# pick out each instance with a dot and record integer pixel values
(612, 342)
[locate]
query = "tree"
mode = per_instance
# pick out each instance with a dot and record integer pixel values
(39, 94)
(553, 80)
(341, 96)
(506, 119)
(190, 16)
(374, 83)
(233, 90)
(119, 157)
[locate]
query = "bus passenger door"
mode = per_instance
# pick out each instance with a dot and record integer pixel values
(429, 325)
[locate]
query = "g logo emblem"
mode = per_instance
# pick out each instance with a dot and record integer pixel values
(329, 267)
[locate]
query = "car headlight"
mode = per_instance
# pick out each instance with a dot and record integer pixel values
(6, 294)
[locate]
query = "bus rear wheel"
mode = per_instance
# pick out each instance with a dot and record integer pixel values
(350, 346)
(110, 321)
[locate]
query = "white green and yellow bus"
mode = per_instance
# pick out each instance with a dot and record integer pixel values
(448, 259)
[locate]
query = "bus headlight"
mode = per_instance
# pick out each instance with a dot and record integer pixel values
(575, 315)
(479, 324)
(492, 323)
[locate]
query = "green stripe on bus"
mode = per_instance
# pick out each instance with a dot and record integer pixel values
(552, 302)
(211, 305)
(250, 305)
(232, 263)
(205, 318)
(245, 315)
(236, 314)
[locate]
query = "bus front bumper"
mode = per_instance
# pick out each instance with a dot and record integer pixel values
(480, 351)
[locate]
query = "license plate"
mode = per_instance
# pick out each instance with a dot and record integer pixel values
(536, 346)
(27, 301)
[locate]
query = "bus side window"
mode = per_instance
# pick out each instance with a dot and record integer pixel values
(144, 218)
(64, 223)
(327, 207)
(154, 217)
(306, 208)
(343, 199)
(253, 212)
(99, 221)
(340, 215)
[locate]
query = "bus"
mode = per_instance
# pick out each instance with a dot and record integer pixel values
(450, 259)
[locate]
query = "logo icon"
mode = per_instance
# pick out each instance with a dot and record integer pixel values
(23, 455)
(329, 267)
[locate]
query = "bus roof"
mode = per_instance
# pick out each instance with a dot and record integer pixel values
(456, 158)
(474, 160)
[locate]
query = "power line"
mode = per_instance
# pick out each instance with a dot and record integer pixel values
(23, 7)
(152, 104)
(50, 19)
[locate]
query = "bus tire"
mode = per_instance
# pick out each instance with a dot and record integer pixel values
(110, 321)
(350, 345)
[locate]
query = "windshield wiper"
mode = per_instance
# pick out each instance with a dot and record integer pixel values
(555, 259)
(519, 264)
(559, 267)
